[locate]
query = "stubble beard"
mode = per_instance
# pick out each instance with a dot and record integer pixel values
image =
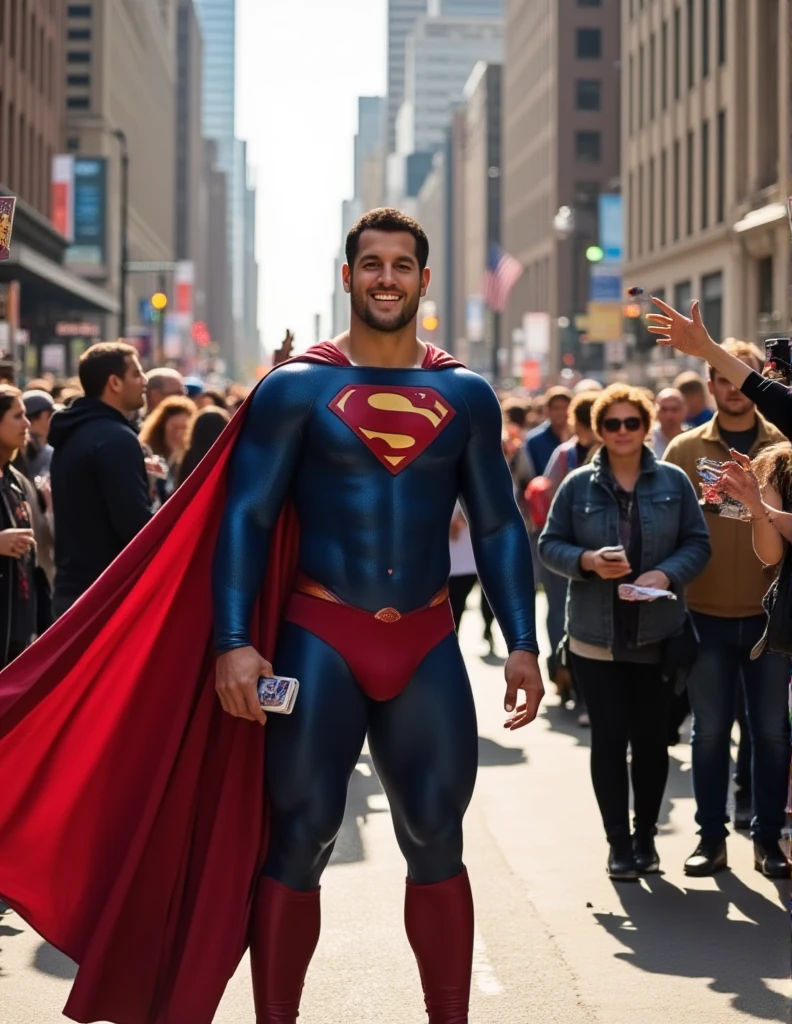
(382, 324)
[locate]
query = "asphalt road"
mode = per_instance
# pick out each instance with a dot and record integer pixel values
(556, 940)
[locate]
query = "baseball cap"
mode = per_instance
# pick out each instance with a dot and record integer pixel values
(194, 386)
(36, 402)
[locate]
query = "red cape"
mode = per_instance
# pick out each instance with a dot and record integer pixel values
(133, 818)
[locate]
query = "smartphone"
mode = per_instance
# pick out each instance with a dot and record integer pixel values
(777, 360)
(614, 554)
(277, 694)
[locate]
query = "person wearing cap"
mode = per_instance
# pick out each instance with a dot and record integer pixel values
(194, 387)
(39, 407)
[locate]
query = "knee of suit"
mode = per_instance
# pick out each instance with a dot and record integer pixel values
(301, 845)
(432, 846)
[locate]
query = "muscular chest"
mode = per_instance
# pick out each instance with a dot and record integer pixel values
(410, 427)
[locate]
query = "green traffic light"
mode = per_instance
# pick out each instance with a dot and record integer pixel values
(594, 254)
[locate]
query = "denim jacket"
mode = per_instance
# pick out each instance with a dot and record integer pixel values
(674, 539)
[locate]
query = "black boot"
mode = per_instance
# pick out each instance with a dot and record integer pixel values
(742, 809)
(769, 858)
(647, 859)
(621, 861)
(708, 857)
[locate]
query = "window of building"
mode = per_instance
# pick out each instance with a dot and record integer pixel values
(651, 204)
(683, 296)
(721, 31)
(73, 144)
(78, 57)
(764, 273)
(691, 44)
(705, 175)
(677, 53)
(663, 197)
(589, 44)
(79, 33)
(712, 303)
(78, 79)
(652, 75)
(587, 147)
(664, 66)
(705, 38)
(675, 192)
(689, 189)
(720, 170)
(588, 94)
(78, 103)
(641, 85)
(587, 195)
(79, 11)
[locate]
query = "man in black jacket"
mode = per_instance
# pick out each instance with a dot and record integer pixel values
(100, 488)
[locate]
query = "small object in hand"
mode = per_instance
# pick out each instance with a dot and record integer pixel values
(630, 592)
(157, 467)
(277, 694)
(614, 554)
(640, 296)
(712, 497)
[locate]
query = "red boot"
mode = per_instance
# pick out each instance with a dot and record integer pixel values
(284, 931)
(439, 923)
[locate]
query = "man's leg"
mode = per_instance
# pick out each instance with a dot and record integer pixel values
(459, 588)
(310, 756)
(766, 703)
(713, 688)
(424, 744)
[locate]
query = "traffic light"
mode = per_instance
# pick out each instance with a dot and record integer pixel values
(430, 323)
(594, 254)
(159, 301)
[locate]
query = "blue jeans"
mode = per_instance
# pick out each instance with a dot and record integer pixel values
(714, 687)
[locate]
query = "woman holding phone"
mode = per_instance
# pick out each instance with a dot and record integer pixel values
(625, 518)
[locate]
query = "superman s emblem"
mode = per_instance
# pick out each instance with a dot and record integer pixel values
(396, 424)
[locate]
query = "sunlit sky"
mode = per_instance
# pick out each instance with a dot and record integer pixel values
(301, 64)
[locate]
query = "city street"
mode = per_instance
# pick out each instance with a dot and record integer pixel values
(557, 941)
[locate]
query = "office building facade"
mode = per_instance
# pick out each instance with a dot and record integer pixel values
(402, 16)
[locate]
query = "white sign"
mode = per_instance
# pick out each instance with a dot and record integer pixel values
(536, 332)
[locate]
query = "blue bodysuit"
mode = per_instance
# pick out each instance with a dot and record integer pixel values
(373, 461)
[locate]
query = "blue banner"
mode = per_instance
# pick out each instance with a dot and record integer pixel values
(90, 212)
(611, 227)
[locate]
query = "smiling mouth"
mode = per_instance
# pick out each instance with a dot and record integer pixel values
(386, 297)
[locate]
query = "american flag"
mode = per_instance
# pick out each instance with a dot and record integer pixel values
(502, 273)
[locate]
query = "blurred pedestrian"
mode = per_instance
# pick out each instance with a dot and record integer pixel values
(99, 483)
(211, 398)
(625, 518)
(207, 425)
(726, 602)
(23, 588)
(670, 413)
(694, 391)
(161, 383)
(164, 434)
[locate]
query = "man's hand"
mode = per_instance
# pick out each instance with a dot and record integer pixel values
(522, 673)
(654, 578)
(688, 334)
(236, 681)
(605, 568)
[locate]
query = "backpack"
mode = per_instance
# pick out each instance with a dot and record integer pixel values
(538, 498)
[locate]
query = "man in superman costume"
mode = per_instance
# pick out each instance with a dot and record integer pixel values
(138, 832)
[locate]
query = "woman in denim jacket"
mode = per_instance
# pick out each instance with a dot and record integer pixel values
(625, 499)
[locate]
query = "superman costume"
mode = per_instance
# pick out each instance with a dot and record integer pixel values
(136, 830)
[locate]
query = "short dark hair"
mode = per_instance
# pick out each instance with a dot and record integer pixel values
(101, 362)
(387, 219)
(8, 395)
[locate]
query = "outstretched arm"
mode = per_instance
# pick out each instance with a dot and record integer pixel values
(500, 544)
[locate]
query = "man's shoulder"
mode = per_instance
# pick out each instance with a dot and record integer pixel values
(539, 431)
(688, 442)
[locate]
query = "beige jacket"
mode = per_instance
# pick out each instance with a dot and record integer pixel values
(734, 582)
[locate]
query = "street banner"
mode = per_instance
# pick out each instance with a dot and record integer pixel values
(7, 207)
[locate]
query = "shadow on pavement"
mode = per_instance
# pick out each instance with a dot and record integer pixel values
(492, 754)
(733, 937)
(49, 960)
(6, 931)
(363, 785)
(566, 722)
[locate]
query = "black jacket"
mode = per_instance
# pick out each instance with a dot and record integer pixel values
(100, 492)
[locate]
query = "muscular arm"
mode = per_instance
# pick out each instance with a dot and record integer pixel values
(261, 472)
(500, 540)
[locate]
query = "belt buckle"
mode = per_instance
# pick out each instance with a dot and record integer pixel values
(387, 615)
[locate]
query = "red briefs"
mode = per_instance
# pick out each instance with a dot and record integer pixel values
(382, 649)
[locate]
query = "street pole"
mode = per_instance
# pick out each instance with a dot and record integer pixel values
(496, 322)
(160, 360)
(124, 254)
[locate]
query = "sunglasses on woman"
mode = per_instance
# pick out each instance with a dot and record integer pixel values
(613, 425)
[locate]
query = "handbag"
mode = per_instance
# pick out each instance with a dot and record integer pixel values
(680, 651)
(777, 603)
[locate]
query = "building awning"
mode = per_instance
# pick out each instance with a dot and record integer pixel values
(60, 285)
(764, 217)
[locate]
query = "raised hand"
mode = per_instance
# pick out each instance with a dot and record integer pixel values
(685, 333)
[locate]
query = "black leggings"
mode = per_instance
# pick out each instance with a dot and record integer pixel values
(459, 588)
(628, 705)
(424, 744)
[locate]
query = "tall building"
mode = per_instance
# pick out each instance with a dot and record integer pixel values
(560, 148)
(402, 16)
(370, 150)
(466, 8)
(706, 129)
(351, 211)
(433, 216)
(440, 55)
(53, 297)
(251, 354)
(219, 318)
(115, 50)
